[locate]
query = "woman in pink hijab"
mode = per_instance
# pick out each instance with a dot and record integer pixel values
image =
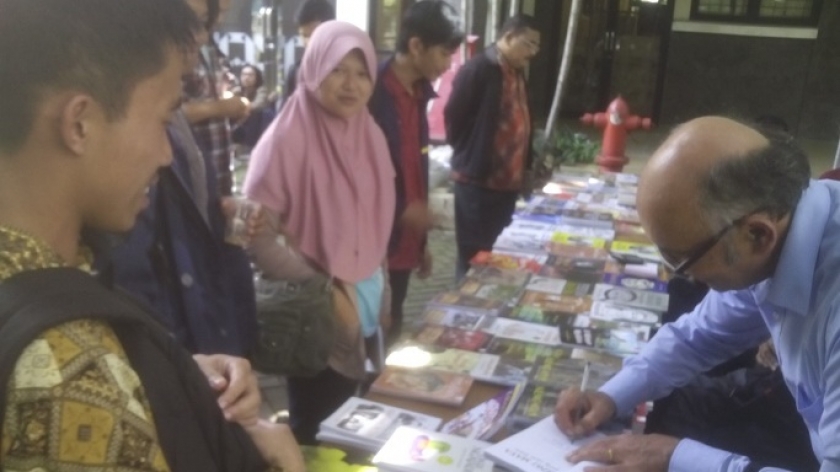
(323, 174)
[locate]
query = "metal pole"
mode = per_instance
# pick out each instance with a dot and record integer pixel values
(565, 65)
(492, 24)
(837, 157)
(465, 22)
(514, 7)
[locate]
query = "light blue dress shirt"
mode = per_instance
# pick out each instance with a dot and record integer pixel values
(797, 307)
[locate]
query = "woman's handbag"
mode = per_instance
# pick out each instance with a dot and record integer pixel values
(296, 326)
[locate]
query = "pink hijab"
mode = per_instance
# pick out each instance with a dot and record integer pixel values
(331, 180)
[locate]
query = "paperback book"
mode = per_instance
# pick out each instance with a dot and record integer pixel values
(456, 317)
(445, 336)
(524, 331)
(480, 366)
(618, 295)
(367, 424)
(484, 420)
(416, 450)
(571, 303)
(431, 386)
(620, 338)
(638, 283)
(463, 300)
(576, 269)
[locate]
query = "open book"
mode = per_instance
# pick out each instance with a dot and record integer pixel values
(542, 447)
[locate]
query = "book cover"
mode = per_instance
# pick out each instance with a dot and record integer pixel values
(541, 447)
(416, 450)
(564, 373)
(506, 294)
(568, 302)
(524, 352)
(586, 218)
(536, 403)
(524, 331)
(566, 250)
(647, 252)
(574, 239)
(578, 269)
(495, 275)
(364, 422)
(513, 260)
(611, 312)
(638, 283)
(534, 314)
(424, 385)
(452, 337)
(484, 420)
(531, 225)
(463, 300)
(621, 338)
(619, 295)
(456, 317)
(480, 366)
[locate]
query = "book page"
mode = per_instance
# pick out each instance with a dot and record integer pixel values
(542, 447)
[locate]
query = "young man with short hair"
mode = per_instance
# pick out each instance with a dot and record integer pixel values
(425, 45)
(488, 124)
(310, 15)
(82, 138)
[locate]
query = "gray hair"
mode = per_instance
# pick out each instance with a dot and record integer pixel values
(769, 180)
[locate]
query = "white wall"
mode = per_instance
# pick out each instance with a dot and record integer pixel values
(353, 11)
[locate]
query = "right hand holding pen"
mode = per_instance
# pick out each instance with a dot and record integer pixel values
(578, 413)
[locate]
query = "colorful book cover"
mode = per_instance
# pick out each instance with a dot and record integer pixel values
(568, 302)
(432, 386)
(495, 275)
(535, 314)
(578, 269)
(484, 420)
(452, 337)
(616, 294)
(620, 338)
(480, 366)
(638, 283)
(536, 403)
(462, 300)
(524, 331)
(647, 252)
(416, 450)
(565, 373)
(506, 294)
(573, 239)
(566, 250)
(527, 262)
(456, 317)
(523, 351)
(586, 218)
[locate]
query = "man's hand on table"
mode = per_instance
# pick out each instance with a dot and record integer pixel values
(579, 414)
(628, 453)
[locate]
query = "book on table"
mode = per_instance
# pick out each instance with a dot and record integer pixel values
(496, 275)
(484, 420)
(457, 299)
(536, 402)
(485, 367)
(620, 295)
(367, 425)
(541, 447)
(468, 319)
(524, 331)
(445, 336)
(433, 386)
(617, 337)
(417, 450)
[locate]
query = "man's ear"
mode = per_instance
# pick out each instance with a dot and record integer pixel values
(76, 120)
(763, 234)
(415, 46)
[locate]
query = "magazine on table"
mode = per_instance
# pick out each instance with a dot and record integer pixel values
(619, 295)
(445, 336)
(432, 386)
(484, 420)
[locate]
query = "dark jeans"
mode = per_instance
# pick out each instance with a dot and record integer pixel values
(748, 412)
(313, 399)
(399, 290)
(480, 216)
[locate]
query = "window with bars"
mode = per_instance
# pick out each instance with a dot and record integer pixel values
(782, 12)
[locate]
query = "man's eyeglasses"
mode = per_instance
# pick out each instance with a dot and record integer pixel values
(701, 249)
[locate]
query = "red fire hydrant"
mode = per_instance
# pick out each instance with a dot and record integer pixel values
(617, 121)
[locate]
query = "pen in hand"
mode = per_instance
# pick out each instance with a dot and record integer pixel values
(583, 384)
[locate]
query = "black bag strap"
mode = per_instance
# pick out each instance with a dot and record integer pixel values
(34, 301)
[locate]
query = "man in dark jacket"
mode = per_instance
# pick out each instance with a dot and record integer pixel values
(310, 15)
(425, 45)
(489, 126)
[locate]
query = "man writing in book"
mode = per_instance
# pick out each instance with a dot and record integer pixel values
(741, 215)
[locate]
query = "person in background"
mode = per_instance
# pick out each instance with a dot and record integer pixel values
(251, 88)
(310, 15)
(176, 258)
(488, 124)
(82, 138)
(425, 45)
(742, 215)
(209, 110)
(324, 178)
